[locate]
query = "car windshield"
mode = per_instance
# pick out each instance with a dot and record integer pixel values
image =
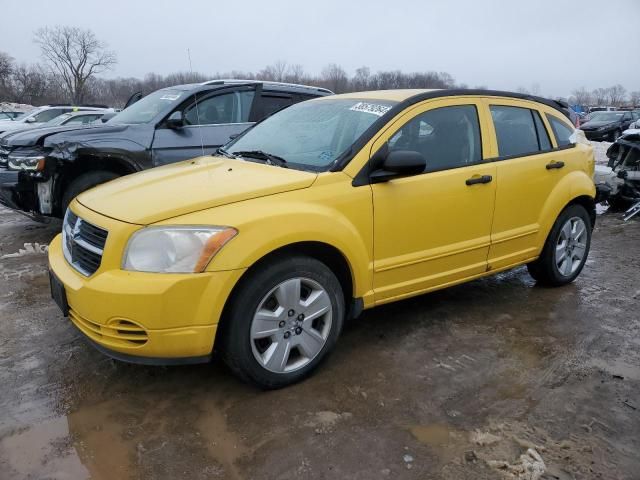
(311, 135)
(606, 116)
(144, 110)
(59, 120)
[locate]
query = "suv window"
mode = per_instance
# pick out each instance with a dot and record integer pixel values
(519, 131)
(447, 137)
(232, 107)
(50, 114)
(270, 103)
(561, 131)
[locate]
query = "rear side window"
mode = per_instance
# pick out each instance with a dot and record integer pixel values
(447, 137)
(519, 131)
(269, 104)
(561, 130)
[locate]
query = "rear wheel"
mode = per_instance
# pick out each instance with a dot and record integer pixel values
(283, 321)
(566, 249)
(82, 183)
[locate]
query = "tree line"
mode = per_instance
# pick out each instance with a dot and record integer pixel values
(74, 59)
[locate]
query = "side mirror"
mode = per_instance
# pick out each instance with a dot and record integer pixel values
(175, 120)
(107, 116)
(30, 120)
(399, 163)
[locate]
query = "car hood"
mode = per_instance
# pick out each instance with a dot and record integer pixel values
(9, 125)
(185, 187)
(596, 124)
(97, 135)
(34, 136)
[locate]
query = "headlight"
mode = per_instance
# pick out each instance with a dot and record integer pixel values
(175, 249)
(32, 163)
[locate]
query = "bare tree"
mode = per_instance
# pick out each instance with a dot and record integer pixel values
(75, 56)
(295, 73)
(6, 67)
(634, 97)
(616, 95)
(335, 78)
(599, 96)
(582, 96)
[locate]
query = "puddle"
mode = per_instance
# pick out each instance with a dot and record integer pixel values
(43, 451)
(435, 435)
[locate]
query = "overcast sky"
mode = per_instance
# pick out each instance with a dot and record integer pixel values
(503, 44)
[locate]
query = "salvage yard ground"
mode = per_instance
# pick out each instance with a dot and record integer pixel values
(495, 379)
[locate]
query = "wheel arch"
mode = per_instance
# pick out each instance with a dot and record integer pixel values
(88, 163)
(574, 188)
(328, 254)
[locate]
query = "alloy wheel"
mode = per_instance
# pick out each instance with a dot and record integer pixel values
(291, 325)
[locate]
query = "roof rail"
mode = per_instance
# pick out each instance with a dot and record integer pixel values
(231, 81)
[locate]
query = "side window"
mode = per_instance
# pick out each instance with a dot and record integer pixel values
(232, 107)
(543, 136)
(561, 130)
(212, 110)
(447, 137)
(270, 104)
(76, 120)
(516, 131)
(47, 115)
(626, 116)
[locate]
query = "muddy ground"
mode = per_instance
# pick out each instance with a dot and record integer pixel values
(474, 382)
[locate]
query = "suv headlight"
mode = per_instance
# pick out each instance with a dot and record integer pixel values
(32, 163)
(175, 249)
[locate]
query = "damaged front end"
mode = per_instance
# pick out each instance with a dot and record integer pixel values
(25, 183)
(619, 182)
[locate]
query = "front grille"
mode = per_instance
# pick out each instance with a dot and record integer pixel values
(117, 333)
(83, 243)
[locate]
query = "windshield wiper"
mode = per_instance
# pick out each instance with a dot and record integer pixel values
(260, 155)
(223, 152)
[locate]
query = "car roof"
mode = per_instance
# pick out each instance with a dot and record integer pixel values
(277, 86)
(407, 97)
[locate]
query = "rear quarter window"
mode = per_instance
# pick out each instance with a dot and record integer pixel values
(561, 131)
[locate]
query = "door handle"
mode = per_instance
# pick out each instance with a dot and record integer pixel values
(479, 179)
(552, 165)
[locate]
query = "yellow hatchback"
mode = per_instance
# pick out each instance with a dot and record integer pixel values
(324, 209)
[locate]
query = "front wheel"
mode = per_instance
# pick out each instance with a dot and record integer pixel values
(566, 249)
(615, 135)
(283, 321)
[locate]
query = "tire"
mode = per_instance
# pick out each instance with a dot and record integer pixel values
(254, 344)
(548, 269)
(614, 135)
(82, 183)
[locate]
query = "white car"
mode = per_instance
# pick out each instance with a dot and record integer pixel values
(40, 116)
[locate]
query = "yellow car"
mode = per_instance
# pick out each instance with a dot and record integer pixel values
(324, 209)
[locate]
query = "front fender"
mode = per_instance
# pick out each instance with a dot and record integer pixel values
(270, 223)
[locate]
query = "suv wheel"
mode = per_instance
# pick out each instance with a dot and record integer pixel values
(283, 321)
(615, 135)
(566, 249)
(82, 183)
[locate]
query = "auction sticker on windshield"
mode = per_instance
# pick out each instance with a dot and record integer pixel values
(170, 96)
(374, 108)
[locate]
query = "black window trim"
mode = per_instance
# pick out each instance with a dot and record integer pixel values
(363, 176)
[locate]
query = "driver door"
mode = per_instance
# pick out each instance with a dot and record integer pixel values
(433, 229)
(210, 122)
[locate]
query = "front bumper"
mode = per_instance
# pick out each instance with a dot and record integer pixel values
(596, 135)
(16, 193)
(144, 317)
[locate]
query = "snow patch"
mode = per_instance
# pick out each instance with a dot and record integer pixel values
(29, 249)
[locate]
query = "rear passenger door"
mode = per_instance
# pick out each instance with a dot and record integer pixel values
(530, 163)
(211, 119)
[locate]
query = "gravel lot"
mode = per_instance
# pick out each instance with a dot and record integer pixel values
(475, 382)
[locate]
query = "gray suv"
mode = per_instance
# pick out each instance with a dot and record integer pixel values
(53, 165)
